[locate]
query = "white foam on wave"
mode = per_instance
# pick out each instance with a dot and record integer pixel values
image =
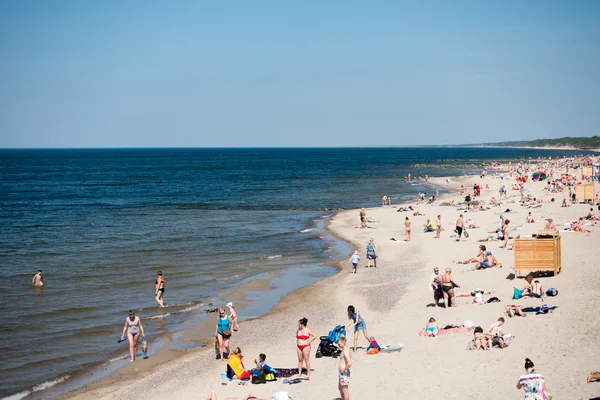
(307, 230)
(274, 257)
(159, 316)
(119, 358)
(37, 388)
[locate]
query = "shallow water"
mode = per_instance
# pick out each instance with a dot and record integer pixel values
(100, 223)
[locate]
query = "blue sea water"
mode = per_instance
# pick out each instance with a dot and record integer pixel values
(101, 222)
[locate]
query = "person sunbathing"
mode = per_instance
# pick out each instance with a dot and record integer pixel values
(432, 328)
(550, 225)
(593, 376)
(489, 261)
(496, 334)
(591, 215)
(514, 309)
(534, 289)
(529, 219)
(481, 339)
(478, 258)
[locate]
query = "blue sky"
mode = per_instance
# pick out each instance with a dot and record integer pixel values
(306, 73)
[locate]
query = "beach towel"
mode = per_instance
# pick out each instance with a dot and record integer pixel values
(389, 348)
(288, 372)
(460, 329)
(517, 294)
(543, 309)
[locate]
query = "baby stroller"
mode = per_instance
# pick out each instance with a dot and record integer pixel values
(328, 345)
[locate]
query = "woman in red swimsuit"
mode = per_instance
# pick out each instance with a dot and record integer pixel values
(304, 337)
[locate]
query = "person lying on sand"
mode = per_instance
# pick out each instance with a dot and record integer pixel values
(514, 309)
(432, 328)
(481, 339)
(213, 396)
(593, 376)
(474, 292)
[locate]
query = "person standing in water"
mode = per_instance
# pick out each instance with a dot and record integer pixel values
(233, 317)
(160, 288)
(344, 369)
(133, 326)
(38, 279)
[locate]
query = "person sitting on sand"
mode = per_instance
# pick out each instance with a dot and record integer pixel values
(591, 215)
(478, 258)
(529, 218)
(235, 366)
(534, 289)
(478, 297)
(429, 226)
(514, 309)
(593, 376)
(432, 328)
(495, 331)
(550, 225)
(260, 364)
(488, 262)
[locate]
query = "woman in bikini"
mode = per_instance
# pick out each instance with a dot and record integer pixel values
(448, 285)
(407, 229)
(304, 337)
(159, 290)
(223, 333)
(133, 326)
(478, 258)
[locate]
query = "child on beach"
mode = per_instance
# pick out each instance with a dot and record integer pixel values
(495, 334)
(234, 318)
(354, 260)
(344, 369)
(260, 364)
(432, 328)
(478, 297)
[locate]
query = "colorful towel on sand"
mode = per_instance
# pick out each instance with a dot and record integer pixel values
(288, 372)
(460, 329)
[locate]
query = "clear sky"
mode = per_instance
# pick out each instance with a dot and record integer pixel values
(296, 73)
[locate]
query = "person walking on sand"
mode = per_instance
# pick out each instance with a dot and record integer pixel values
(358, 323)
(363, 218)
(505, 231)
(344, 369)
(223, 334)
(159, 288)
(532, 384)
(354, 260)
(233, 316)
(438, 226)
(407, 228)
(372, 253)
(38, 279)
(304, 337)
(133, 326)
(435, 285)
(460, 225)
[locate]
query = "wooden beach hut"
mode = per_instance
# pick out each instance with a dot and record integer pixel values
(585, 192)
(541, 252)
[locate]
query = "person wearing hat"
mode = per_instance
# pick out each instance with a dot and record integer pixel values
(354, 260)
(233, 316)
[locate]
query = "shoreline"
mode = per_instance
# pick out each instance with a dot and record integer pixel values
(321, 301)
(166, 360)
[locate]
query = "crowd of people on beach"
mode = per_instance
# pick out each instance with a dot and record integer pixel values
(443, 287)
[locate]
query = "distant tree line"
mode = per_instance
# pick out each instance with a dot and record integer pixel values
(592, 142)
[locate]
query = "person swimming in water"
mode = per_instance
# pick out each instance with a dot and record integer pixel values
(38, 279)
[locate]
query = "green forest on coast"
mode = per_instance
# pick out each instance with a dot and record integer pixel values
(592, 142)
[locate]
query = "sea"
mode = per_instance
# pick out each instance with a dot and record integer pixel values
(100, 223)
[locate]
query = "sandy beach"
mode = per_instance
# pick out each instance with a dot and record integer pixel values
(396, 303)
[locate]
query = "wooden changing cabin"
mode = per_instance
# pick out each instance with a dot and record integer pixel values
(541, 252)
(585, 192)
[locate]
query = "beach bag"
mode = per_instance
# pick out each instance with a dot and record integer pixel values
(258, 377)
(465, 233)
(551, 292)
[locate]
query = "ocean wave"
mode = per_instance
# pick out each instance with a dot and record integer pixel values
(159, 316)
(307, 230)
(191, 307)
(274, 257)
(37, 388)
